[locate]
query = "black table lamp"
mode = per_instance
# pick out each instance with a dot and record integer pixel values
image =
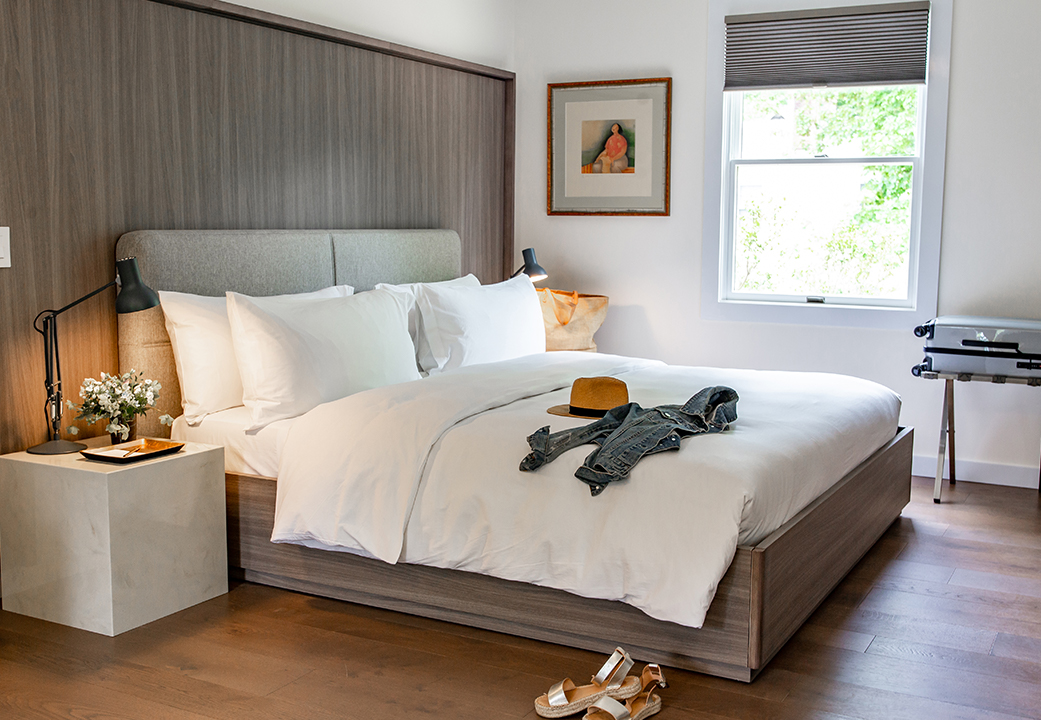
(531, 267)
(133, 295)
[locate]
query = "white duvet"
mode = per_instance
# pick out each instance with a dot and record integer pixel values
(427, 472)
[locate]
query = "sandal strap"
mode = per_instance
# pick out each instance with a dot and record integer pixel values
(610, 706)
(652, 677)
(614, 670)
(557, 694)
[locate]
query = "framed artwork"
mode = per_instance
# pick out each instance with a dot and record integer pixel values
(609, 147)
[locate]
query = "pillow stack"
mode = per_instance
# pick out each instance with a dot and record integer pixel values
(471, 325)
(281, 356)
(204, 352)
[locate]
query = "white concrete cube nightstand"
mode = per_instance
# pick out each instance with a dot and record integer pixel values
(107, 547)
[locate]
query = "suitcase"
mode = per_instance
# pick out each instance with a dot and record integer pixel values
(1002, 347)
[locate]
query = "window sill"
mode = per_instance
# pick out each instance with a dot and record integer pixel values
(886, 318)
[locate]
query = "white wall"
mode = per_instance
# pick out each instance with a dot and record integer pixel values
(990, 258)
(480, 31)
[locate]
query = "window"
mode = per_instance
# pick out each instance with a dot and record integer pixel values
(818, 195)
(828, 181)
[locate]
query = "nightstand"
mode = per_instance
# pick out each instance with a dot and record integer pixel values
(107, 547)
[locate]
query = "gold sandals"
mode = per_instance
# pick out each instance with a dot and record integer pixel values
(642, 705)
(612, 681)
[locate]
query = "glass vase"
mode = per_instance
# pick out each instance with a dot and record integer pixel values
(132, 435)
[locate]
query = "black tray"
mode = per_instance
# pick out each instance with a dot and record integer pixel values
(133, 451)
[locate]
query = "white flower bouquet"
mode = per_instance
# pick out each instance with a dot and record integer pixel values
(118, 399)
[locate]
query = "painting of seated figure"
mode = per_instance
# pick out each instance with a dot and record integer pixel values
(609, 146)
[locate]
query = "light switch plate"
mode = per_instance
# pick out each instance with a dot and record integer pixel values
(5, 247)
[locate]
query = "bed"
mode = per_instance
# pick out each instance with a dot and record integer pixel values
(768, 591)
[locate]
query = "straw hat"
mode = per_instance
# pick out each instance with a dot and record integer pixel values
(593, 397)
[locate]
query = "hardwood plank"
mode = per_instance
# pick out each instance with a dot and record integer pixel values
(959, 612)
(991, 602)
(998, 581)
(105, 668)
(871, 703)
(974, 555)
(30, 693)
(965, 518)
(217, 663)
(1017, 648)
(718, 702)
(833, 637)
(894, 569)
(978, 663)
(944, 684)
(934, 632)
(435, 689)
(1025, 535)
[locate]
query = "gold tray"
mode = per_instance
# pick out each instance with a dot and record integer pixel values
(132, 451)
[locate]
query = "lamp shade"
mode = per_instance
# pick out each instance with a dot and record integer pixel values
(134, 295)
(531, 266)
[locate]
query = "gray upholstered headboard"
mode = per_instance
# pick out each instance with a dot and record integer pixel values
(262, 262)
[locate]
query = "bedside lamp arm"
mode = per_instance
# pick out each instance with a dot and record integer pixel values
(52, 380)
(133, 296)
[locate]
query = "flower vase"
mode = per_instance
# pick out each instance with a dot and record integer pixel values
(132, 435)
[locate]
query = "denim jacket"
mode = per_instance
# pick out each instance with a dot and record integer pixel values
(628, 432)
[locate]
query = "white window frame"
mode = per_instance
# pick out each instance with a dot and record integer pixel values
(732, 136)
(927, 191)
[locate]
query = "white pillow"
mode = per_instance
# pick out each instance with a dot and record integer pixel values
(424, 358)
(295, 357)
(470, 325)
(203, 352)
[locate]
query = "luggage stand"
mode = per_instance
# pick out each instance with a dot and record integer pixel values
(947, 416)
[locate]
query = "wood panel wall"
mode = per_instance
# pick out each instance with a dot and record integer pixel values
(119, 115)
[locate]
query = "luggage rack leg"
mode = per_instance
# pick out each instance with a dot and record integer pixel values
(949, 389)
(946, 432)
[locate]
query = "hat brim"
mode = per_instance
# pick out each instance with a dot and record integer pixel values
(565, 411)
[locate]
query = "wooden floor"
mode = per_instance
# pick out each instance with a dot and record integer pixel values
(941, 620)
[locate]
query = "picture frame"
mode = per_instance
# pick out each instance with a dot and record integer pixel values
(609, 147)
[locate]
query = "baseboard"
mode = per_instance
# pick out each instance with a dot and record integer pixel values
(981, 472)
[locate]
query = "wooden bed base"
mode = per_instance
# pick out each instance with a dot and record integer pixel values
(766, 595)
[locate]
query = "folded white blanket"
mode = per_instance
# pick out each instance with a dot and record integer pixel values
(427, 472)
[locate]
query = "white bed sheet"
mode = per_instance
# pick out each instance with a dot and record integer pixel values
(244, 453)
(427, 473)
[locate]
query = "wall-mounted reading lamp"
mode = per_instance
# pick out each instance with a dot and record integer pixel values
(133, 296)
(531, 267)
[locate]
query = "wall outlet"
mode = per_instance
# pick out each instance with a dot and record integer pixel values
(5, 247)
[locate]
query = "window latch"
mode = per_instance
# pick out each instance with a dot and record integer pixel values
(815, 299)
(822, 155)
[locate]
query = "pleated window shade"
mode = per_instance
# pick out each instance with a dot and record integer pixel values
(864, 45)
